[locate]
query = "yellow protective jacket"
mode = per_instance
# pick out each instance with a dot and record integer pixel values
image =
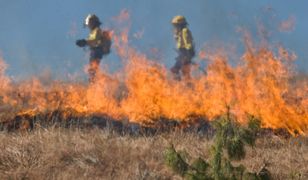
(95, 38)
(184, 39)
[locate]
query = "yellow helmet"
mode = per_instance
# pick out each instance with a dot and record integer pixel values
(179, 20)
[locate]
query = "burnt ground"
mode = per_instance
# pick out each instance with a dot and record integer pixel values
(72, 119)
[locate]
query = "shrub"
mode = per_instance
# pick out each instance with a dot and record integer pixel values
(175, 161)
(231, 137)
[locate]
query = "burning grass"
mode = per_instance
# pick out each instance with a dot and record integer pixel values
(60, 153)
(142, 108)
(262, 85)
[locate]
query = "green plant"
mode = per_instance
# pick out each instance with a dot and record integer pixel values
(175, 161)
(230, 137)
(295, 175)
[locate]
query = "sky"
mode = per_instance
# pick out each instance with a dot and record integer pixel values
(38, 36)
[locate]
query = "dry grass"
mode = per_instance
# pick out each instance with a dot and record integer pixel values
(58, 153)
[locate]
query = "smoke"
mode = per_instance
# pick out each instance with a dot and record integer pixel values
(5, 81)
(73, 30)
(287, 25)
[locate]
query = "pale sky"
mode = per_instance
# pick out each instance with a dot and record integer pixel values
(38, 35)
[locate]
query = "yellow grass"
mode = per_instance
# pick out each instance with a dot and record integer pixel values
(58, 153)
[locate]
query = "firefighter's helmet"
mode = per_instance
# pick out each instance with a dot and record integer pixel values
(179, 20)
(92, 20)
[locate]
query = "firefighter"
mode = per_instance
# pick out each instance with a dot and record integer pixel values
(184, 46)
(99, 43)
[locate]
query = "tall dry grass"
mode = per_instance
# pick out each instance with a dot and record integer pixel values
(59, 153)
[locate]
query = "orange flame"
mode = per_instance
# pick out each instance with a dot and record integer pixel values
(144, 91)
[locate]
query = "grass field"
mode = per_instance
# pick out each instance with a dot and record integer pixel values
(60, 153)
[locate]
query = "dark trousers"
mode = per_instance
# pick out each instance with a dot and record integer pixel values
(183, 64)
(96, 54)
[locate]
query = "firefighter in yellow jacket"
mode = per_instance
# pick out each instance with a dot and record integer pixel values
(185, 47)
(99, 43)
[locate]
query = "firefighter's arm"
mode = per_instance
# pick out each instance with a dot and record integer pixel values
(187, 39)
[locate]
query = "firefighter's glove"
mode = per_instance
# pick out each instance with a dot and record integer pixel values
(81, 43)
